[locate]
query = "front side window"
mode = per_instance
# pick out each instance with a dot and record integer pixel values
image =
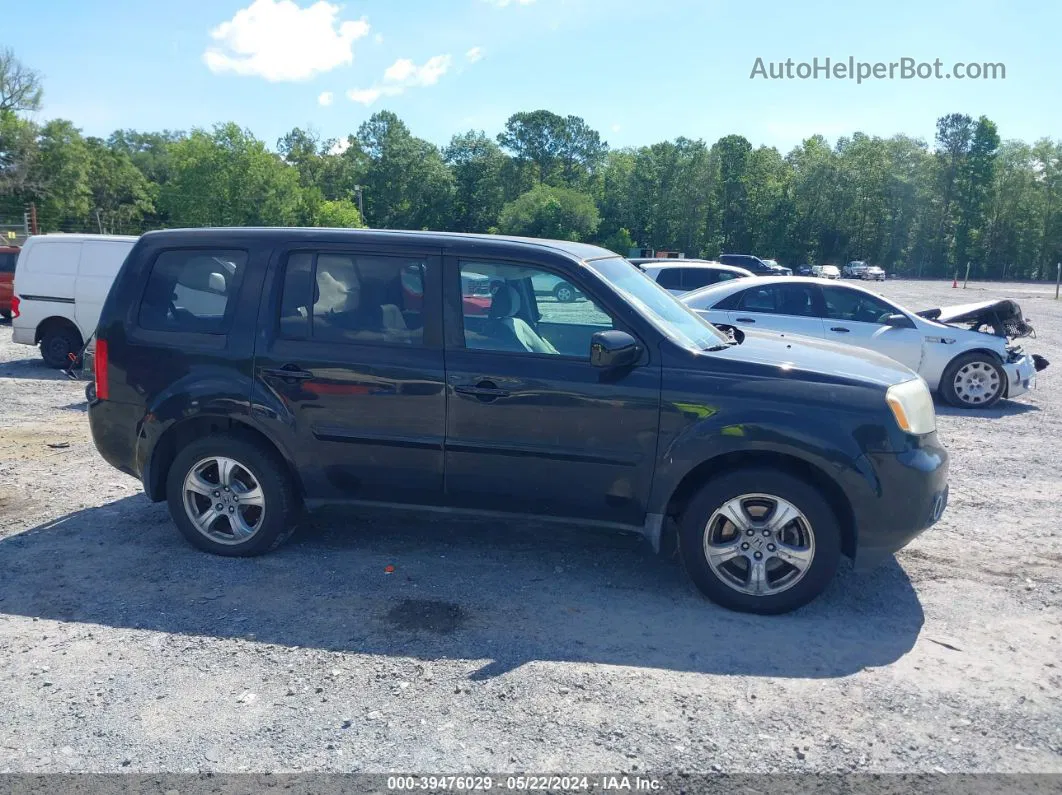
(340, 297)
(191, 290)
(855, 306)
(525, 313)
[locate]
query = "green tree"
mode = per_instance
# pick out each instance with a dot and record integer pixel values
(407, 184)
(20, 86)
(478, 165)
(227, 177)
(65, 165)
(339, 214)
(556, 150)
(550, 212)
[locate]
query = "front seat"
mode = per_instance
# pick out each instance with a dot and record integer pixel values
(504, 309)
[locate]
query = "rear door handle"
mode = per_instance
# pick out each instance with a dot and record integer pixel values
(290, 372)
(484, 390)
(745, 320)
(840, 329)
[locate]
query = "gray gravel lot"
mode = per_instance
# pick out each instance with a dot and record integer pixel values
(521, 647)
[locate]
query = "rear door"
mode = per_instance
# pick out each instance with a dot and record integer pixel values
(855, 317)
(785, 308)
(532, 427)
(99, 264)
(351, 348)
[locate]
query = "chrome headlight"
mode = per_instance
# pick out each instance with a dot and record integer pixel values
(912, 406)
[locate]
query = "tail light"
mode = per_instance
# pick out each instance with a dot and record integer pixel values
(14, 306)
(100, 370)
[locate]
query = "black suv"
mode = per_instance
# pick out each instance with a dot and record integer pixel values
(244, 374)
(754, 264)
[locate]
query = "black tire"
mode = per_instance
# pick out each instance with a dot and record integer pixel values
(777, 483)
(281, 511)
(985, 364)
(57, 343)
(564, 293)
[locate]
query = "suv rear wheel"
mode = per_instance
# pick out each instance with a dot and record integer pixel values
(231, 496)
(760, 541)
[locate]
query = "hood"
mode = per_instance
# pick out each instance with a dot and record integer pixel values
(815, 356)
(1002, 316)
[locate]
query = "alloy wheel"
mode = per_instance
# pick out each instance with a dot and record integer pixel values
(223, 500)
(976, 383)
(759, 544)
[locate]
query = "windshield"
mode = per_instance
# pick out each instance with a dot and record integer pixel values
(678, 323)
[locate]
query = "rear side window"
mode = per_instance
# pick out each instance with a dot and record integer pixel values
(191, 290)
(7, 261)
(339, 297)
(670, 278)
(695, 278)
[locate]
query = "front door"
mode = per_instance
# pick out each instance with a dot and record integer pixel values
(855, 317)
(352, 348)
(532, 427)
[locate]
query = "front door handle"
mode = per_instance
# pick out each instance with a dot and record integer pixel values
(745, 320)
(483, 390)
(840, 329)
(290, 372)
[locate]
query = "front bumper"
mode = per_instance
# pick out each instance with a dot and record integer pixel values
(910, 496)
(1021, 375)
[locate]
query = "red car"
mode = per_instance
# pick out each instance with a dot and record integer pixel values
(8, 257)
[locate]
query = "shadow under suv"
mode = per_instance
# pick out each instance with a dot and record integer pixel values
(246, 374)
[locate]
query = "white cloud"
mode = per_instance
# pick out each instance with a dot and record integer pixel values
(325, 99)
(378, 38)
(280, 41)
(504, 3)
(616, 128)
(339, 147)
(475, 54)
(403, 74)
(366, 96)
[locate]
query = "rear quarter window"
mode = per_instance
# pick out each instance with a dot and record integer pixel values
(192, 290)
(7, 261)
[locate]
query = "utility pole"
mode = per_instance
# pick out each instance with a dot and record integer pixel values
(34, 229)
(1058, 277)
(361, 201)
(967, 278)
(99, 223)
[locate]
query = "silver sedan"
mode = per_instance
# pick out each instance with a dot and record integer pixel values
(969, 368)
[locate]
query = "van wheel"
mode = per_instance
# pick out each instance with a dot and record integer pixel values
(231, 496)
(57, 343)
(760, 541)
(973, 381)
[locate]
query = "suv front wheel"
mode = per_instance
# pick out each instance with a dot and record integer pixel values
(760, 541)
(231, 496)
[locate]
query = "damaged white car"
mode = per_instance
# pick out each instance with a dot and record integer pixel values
(965, 353)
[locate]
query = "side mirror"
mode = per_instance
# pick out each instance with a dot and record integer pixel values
(897, 321)
(613, 349)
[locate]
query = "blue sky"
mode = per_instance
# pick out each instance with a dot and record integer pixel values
(639, 71)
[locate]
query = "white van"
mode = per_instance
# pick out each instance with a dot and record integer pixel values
(61, 282)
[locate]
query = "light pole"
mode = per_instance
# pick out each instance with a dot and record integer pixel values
(361, 201)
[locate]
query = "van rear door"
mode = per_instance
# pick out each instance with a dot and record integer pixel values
(99, 264)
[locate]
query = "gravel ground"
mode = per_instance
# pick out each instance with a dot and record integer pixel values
(524, 647)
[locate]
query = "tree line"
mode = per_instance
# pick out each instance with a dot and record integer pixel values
(911, 206)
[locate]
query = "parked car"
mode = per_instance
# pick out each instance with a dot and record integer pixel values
(627, 411)
(679, 276)
(8, 257)
(779, 270)
(562, 290)
(967, 367)
(804, 270)
(854, 269)
(874, 274)
(754, 265)
(61, 282)
(825, 272)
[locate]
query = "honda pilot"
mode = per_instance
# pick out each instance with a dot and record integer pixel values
(246, 375)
